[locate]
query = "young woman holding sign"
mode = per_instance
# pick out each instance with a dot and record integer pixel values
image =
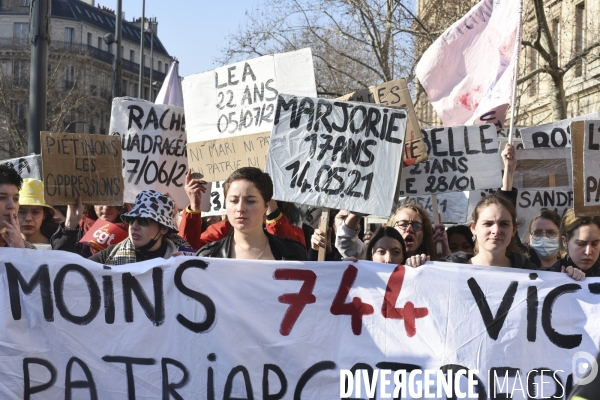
(247, 193)
(580, 237)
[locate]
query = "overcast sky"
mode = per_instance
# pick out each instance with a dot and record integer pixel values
(191, 30)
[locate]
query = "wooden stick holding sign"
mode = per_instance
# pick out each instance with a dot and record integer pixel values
(436, 220)
(323, 225)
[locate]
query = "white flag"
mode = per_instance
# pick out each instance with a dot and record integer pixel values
(468, 72)
(170, 92)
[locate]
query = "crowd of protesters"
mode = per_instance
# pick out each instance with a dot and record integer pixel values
(257, 227)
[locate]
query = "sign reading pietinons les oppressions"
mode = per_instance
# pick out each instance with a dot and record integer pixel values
(81, 165)
(460, 158)
(193, 328)
(336, 154)
(553, 134)
(239, 100)
(153, 141)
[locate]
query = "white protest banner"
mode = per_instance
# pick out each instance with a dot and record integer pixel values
(336, 154)
(221, 329)
(460, 158)
(153, 141)
(591, 163)
(239, 99)
(452, 206)
(553, 134)
(27, 167)
(531, 201)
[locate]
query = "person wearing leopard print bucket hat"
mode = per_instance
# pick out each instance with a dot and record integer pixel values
(151, 232)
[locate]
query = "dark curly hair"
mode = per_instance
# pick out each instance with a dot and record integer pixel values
(260, 179)
(9, 175)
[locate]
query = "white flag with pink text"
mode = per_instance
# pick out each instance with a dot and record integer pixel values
(468, 72)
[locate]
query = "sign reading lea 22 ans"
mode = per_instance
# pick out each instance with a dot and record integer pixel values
(194, 328)
(336, 154)
(460, 158)
(153, 141)
(81, 165)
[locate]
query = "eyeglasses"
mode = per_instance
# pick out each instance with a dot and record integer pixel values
(140, 220)
(549, 233)
(403, 225)
(36, 213)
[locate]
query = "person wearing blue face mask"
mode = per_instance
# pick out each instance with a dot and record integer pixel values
(544, 239)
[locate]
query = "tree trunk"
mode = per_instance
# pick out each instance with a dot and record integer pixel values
(558, 99)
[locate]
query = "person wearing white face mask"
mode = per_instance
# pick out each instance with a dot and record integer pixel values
(544, 241)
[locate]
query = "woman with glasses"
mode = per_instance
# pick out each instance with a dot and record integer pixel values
(150, 229)
(580, 238)
(35, 216)
(544, 244)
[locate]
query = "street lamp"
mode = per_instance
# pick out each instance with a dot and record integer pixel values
(109, 39)
(151, 30)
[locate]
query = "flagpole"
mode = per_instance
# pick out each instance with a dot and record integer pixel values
(514, 94)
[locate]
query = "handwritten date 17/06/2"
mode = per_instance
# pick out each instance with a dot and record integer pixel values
(331, 181)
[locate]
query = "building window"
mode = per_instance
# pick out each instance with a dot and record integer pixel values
(146, 93)
(69, 32)
(131, 55)
(136, 89)
(21, 32)
(20, 73)
(124, 87)
(89, 39)
(533, 65)
(110, 48)
(24, 3)
(159, 66)
(99, 43)
(103, 80)
(579, 36)
(70, 77)
(166, 67)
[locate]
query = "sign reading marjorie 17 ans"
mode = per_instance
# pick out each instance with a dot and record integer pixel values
(336, 154)
(153, 140)
(460, 158)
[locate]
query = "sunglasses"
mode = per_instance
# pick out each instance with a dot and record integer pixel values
(140, 220)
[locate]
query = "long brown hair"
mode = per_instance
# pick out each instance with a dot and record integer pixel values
(427, 246)
(502, 202)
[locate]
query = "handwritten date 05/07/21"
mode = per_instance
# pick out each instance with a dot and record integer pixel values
(324, 178)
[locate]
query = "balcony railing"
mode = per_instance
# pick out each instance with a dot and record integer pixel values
(80, 48)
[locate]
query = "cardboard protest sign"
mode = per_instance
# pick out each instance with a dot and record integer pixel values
(540, 168)
(27, 167)
(184, 327)
(586, 169)
(336, 154)
(103, 234)
(153, 141)
(217, 159)
(456, 156)
(239, 100)
(395, 94)
(531, 201)
(81, 165)
(452, 206)
(553, 134)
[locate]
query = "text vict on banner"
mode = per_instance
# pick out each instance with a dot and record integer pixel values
(154, 141)
(336, 154)
(460, 158)
(81, 165)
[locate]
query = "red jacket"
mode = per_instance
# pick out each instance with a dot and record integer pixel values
(190, 228)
